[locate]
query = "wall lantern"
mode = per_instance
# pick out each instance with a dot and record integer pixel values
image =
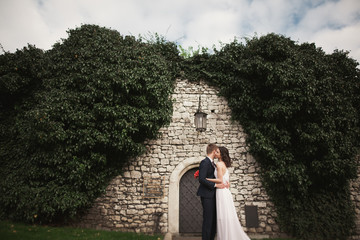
(200, 119)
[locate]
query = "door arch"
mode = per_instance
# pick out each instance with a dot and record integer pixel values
(190, 209)
(173, 203)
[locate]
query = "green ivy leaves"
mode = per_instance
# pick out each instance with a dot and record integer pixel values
(93, 100)
(300, 109)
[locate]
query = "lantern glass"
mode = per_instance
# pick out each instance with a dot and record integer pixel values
(200, 121)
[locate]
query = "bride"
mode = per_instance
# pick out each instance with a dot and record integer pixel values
(228, 225)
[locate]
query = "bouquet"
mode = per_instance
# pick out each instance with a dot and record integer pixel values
(196, 174)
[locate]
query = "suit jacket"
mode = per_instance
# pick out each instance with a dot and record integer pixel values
(206, 170)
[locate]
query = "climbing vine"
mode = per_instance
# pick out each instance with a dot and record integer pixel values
(300, 110)
(72, 116)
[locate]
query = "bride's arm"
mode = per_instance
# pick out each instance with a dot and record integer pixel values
(220, 171)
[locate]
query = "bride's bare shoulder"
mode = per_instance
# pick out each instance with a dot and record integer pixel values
(221, 164)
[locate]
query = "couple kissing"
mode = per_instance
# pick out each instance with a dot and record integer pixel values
(219, 213)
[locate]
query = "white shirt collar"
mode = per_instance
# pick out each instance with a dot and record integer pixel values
(210, 159)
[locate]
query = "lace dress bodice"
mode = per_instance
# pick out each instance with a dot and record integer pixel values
(226, 177)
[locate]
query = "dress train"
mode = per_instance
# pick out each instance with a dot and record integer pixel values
(228, 224)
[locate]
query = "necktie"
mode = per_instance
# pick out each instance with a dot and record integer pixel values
(213, 164)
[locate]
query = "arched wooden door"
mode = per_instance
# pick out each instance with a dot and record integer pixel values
(190, 209)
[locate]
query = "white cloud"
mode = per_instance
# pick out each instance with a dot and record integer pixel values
(210, 27)
(21, 23)
(342, 39)
(268, 16)
(330, 24)
(331, 15)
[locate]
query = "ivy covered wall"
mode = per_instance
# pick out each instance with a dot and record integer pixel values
(71, 117)
(300, 109)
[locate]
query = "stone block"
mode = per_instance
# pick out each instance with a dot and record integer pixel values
(187, 104)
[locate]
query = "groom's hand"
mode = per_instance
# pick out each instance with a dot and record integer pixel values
(222, 185)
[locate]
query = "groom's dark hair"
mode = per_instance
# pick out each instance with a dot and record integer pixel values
(211, 147)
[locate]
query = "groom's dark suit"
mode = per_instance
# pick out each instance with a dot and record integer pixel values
(207, 193)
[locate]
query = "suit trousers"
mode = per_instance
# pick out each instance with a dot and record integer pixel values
(209, 218)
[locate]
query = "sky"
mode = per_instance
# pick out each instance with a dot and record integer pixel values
(330, 24)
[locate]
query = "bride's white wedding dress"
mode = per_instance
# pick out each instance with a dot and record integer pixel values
(228, 225)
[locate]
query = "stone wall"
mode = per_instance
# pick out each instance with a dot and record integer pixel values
(124, 207)
(355, 197)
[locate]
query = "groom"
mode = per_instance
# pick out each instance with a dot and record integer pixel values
(207, 192)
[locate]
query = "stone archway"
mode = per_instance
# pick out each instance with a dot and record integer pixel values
(179, 171)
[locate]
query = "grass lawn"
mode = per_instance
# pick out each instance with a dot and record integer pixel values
(273, 239)
(19, 231)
